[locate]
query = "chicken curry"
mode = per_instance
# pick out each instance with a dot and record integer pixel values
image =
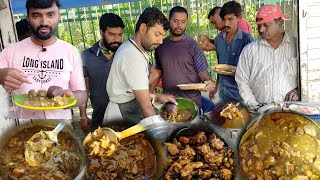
(281, 146)
(64, 164)
(198, 157)
(132, 158)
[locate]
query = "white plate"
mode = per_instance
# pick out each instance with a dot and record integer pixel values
(224, 69)
(303, 109)
(191, 86)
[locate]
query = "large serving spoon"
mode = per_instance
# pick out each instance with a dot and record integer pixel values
(39, 143)
(116, 137)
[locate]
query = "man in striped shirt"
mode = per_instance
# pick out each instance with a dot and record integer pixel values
(267, 69)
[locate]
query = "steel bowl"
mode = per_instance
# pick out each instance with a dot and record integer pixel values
(51, 124)
(247, 131)
(202, 125)
(183, 104)
(119, 125)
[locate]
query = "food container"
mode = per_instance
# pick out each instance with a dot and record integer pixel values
(119, 125)
(183, 104)
(197, 126)
(283, 138)
(231, 128)
(51, 124)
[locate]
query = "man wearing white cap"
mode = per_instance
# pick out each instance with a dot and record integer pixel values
(268, 67)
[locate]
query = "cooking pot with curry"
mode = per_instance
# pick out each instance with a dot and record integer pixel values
(281, 145)
(68, 161)
(136, 157)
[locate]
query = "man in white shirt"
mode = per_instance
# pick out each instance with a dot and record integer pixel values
(128, 84)
(267, 69)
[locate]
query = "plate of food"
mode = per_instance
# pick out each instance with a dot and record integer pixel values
(303, 109)
(191, 86)
(224, 69)
(51, 99)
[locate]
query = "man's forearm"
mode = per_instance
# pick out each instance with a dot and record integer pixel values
(154, 79)
(204, 76)
(81, 97)
(143, 99)
(153, 85)
(83, 111)
(148, 111)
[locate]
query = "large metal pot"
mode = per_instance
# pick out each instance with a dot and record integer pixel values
(201, 124)
(256, 122)
(48, 123)
(119, 125)
(232, 131)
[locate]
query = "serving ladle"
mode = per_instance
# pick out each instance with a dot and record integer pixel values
(116, 137)
(41, 144)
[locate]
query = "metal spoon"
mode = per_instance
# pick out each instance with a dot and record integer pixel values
(51, 135)
(117, 136)
(141, 126)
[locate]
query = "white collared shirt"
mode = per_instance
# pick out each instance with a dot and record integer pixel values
(265, 74)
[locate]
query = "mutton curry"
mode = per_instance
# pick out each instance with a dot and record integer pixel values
(281, 146)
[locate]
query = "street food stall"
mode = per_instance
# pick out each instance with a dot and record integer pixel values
(230, 142)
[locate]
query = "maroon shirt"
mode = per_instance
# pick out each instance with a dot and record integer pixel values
(180, 62)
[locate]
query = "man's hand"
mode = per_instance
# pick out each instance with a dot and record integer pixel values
(163, 98)
(292, 95)
(205, 43)
(208, 88)
(213, 93)
(12, 79)
(85, 123)
(68, 93)
(202, 38)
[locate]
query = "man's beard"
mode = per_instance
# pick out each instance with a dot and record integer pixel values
(147, 46)
(109, 45)
(177, 33)
(36, 32)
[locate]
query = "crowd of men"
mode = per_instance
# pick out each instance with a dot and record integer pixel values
(119, 79)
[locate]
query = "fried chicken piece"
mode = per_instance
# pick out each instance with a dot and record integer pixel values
(184, 140)
(226, 174)
(187, 153)
(169, 161)
(210, 157)
(203, 149)
(199, 139)
(173, 170)
(205, 174)
(172, 148)
(187, 170)
(183, 162)
(216, 142)
(177, 143)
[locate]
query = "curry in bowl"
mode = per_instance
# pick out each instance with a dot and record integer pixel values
(186, 111)
(64, 164)
(132, 158)
(281, 146)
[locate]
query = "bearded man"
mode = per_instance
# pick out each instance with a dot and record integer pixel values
(127, 84)
(180, 60)
(97, 62)
(41, 61)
